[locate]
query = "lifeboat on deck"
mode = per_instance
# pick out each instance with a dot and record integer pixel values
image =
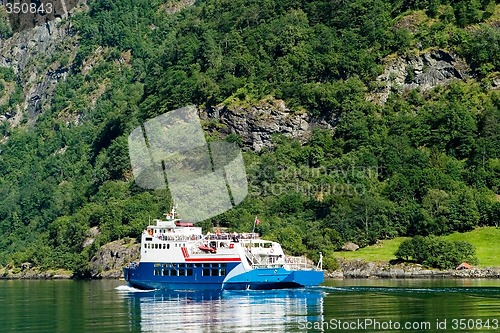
(207, 249)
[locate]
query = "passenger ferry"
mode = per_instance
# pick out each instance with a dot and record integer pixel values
(175, 255)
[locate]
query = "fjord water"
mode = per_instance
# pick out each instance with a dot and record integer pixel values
(111, 306)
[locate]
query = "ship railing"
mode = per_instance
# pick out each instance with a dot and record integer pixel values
(269, 262)
(235, 237)
(202, 241)
(298, 263)
(275, 265)
(254, 260)
(183, 238)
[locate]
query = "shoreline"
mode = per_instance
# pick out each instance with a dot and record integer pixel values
(358, 269)
(355, 269)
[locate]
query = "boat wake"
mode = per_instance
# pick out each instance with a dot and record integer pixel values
(129, 289)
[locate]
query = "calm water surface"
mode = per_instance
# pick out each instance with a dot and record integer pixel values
(356, 305)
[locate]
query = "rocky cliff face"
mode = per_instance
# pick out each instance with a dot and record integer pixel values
(423, 72)
(255, 124)
(112, 257)
(40, 57)
(46, 11)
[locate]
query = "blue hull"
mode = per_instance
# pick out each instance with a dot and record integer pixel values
(217, 277)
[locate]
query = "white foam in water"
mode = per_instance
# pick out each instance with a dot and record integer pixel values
(129, 289)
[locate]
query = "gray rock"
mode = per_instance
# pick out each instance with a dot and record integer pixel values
(349, 246)
(25, 266)
(424, 72)
(33, 55)
(256, 124)
(495, 83)
(112, 257)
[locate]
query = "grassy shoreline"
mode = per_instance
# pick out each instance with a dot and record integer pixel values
(485, 239)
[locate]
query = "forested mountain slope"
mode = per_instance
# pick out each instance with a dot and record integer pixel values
(425, 159)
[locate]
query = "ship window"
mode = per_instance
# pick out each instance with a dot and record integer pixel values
(164, 272)
(149, 239)
(156, 246)
(157, 272)
(182, 272)
(164, 246)
(206, 265)
(189, 272)
(172, 272)
(223, 272)
(168, 246)
(182, 265)
(215, 272)
(205, 272)
(223, 264)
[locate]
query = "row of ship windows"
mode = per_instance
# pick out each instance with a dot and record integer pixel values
(189, 272)
(161, 246)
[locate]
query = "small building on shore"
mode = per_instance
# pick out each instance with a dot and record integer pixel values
(463, 266)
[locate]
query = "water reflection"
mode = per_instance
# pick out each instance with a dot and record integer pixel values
(223, 311)
(402, 301)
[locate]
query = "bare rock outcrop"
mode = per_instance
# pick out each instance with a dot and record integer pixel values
(40, 57)
(112, 257)
(350, 246)
(424, 71)
(256, 124)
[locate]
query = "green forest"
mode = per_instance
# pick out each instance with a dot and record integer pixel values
(423, 163)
